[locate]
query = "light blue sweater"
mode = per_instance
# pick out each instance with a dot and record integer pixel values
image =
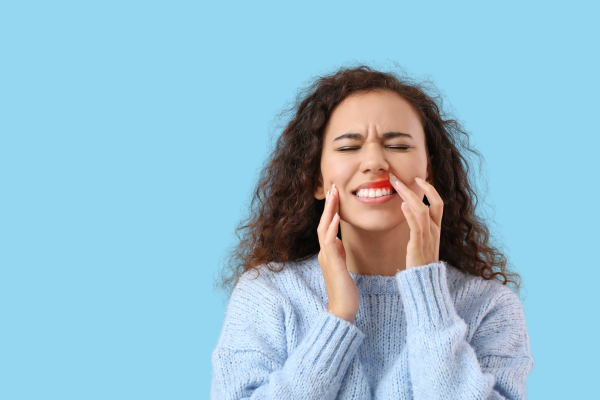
(429, 332)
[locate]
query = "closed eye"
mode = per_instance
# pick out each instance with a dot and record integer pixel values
(391, 147)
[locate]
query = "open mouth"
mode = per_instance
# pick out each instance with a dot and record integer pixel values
(375, 193)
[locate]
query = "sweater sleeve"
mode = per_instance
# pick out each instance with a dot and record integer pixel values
(251, 360)
(442, 364)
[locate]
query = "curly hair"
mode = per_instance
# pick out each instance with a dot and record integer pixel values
(284, 213)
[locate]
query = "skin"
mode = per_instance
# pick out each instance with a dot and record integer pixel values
(378, 239)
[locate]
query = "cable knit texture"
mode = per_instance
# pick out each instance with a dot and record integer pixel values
(429, 332)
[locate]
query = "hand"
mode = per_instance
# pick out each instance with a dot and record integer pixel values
(425, 222)
(342, 292)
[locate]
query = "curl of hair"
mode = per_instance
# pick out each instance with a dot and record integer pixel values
(284, 214)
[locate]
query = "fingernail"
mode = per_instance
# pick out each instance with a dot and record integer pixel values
(327, 197)
(400, 185)
(418, 179)
(332, 187)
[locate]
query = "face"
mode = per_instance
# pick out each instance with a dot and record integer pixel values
(362, 146)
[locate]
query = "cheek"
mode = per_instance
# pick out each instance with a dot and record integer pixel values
(339, 171)
(407, 172)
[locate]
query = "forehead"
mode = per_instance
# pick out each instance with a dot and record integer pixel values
(382, 110)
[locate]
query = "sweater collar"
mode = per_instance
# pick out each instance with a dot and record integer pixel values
(366, 284)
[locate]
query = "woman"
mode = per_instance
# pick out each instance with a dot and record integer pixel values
(405, 303)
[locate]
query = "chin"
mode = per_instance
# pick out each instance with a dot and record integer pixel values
(382, 223)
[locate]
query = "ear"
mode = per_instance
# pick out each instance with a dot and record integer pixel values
(320, 192)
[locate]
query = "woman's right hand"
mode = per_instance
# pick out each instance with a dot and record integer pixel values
(342, 292)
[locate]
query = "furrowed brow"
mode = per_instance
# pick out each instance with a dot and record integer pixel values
(353, 136)
(358, 136)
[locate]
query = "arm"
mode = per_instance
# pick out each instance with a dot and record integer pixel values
(442, 364)
(251, 360)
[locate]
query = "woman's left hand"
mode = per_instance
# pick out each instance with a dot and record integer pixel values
(425, 222)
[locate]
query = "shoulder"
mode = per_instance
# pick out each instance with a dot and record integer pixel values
(496, 317)
(274, 278)
(465, 285)
(272, 291)
(257, 313)
(261, 309)
(477, 298)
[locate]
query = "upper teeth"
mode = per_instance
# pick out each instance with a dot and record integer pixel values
(373, 192)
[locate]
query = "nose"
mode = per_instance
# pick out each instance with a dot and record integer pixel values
(374, 158)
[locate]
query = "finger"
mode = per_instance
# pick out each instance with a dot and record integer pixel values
(436, 208)
(407, 195)
(419, 208)
(335, 198)
(331, 236)
(416, 231)
(333, 203)
(325, 219)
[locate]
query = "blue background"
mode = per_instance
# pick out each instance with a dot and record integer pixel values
(132, 133)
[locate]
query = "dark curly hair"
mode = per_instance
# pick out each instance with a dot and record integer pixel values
(284, 213)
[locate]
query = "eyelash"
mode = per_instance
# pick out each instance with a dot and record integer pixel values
(392, 147)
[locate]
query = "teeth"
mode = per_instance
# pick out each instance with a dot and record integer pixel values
(374, 192)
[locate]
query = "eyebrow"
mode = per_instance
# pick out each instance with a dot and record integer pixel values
(388, 135)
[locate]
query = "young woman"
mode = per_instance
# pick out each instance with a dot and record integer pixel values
(405, 303)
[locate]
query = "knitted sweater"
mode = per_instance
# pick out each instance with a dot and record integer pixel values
(429, 332)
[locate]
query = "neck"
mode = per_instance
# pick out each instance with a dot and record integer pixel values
(375, 252)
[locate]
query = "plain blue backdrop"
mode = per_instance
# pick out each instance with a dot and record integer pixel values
(132, 133)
